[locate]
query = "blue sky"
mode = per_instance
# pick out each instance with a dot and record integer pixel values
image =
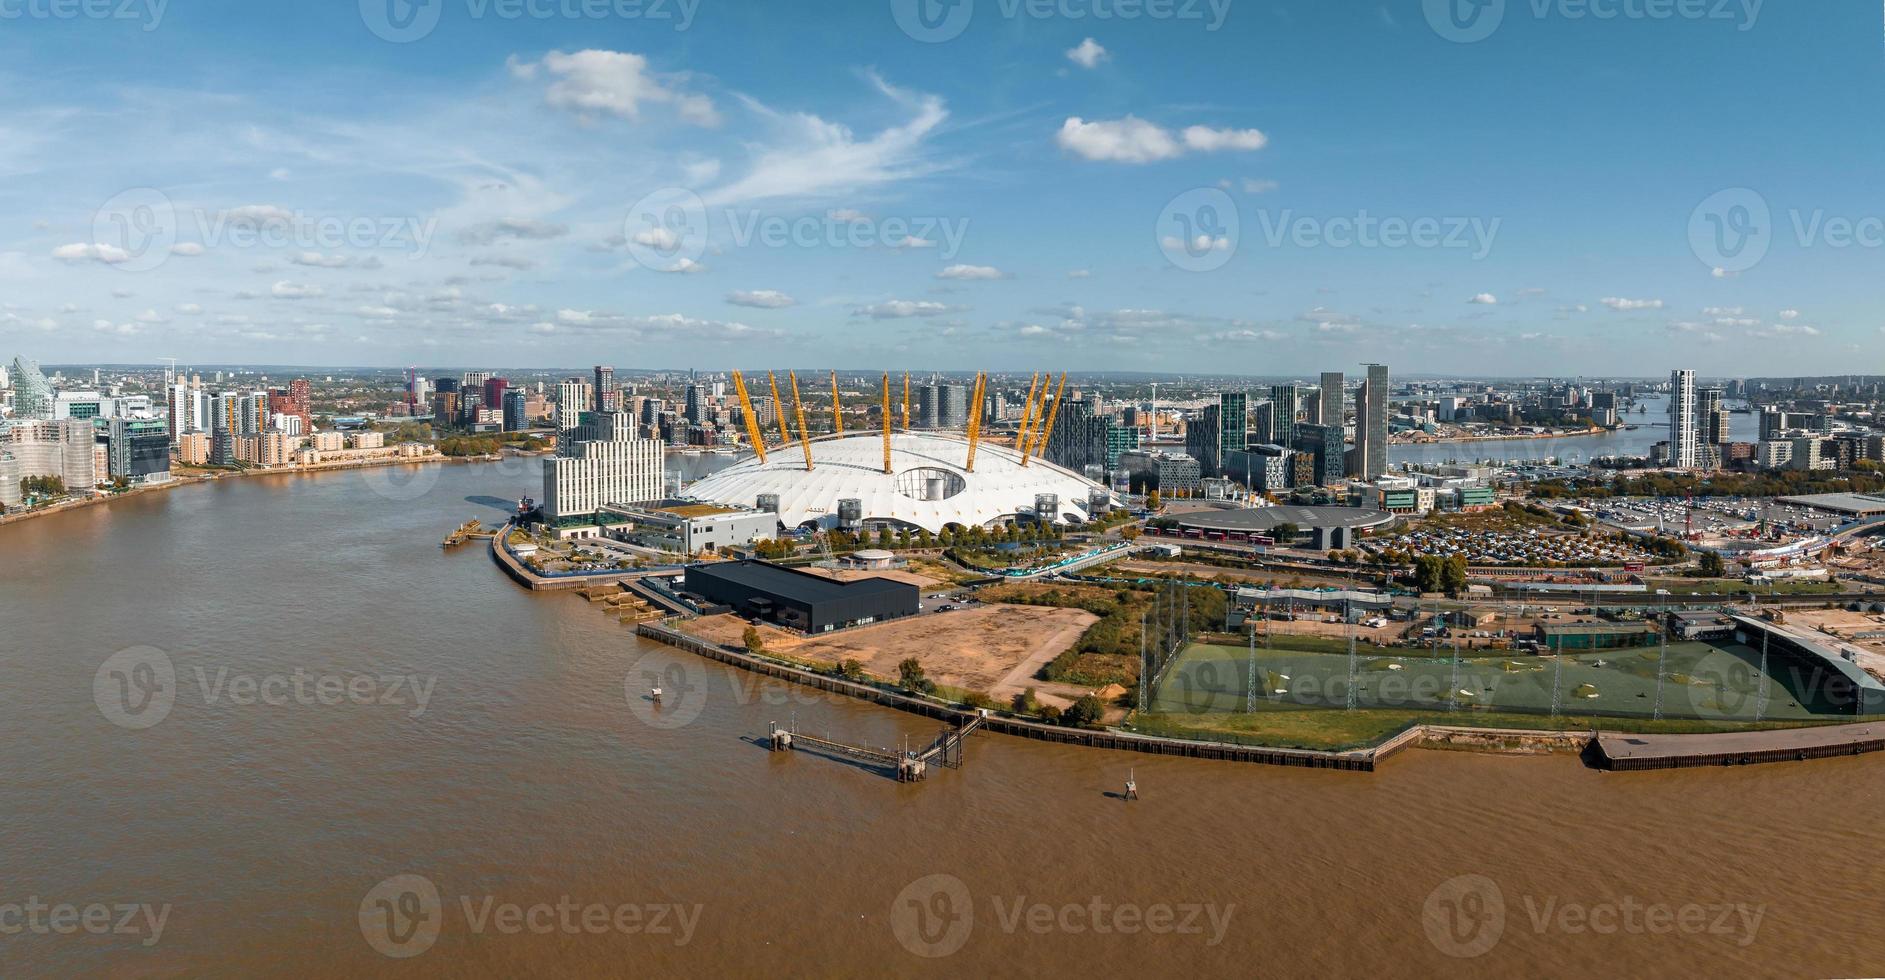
(748, 184)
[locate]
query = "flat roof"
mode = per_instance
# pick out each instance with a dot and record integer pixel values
(1857, 504)
(1267, 518)
(800, 586)
(1595, 629)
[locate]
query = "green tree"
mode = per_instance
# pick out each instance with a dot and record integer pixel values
(1083, 712)
(1712, 566)
(911, 677)
(754, 642)
(1152, 501)
(850, 670)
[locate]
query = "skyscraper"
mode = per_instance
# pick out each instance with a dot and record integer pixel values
(1333, 411)
(32, 394)
(1684, 447)
(605, 389)
(602, 463)
(1220, 429)
(1371, 424)
(1283, 420)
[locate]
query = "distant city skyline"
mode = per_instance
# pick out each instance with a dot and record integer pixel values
(744, 183)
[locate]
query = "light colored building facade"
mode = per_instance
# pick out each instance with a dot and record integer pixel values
(1685, 451)
(603, 462)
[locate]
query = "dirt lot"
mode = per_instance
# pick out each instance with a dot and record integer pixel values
(992, 648)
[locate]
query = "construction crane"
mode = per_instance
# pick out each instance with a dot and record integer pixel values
(887, 422)
(906, 401)
(1027, 414)
(1046, 431)
(798, 409)
(975, 418)
(837, 409)
(778, 410)
(753, 434)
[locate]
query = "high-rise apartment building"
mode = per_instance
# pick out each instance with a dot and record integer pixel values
(1371, 424)
(602, 462)
(1333, 412)
(573, 397)
(32, 393)
(1219, 429)
(1283, 415)
(605, 389)
(1684, 442)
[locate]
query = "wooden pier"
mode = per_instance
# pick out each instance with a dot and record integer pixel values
(470, 530)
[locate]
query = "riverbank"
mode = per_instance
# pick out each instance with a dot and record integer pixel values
(1594, 430)
(211, 476)
(1613, 750)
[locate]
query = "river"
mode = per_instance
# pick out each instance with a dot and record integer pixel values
(1652, 426)
(351, 705)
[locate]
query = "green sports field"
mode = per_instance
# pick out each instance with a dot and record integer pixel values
(1702, 681)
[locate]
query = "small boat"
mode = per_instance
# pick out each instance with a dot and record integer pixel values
(654, 693)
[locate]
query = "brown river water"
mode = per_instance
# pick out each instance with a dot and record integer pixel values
(266, 726)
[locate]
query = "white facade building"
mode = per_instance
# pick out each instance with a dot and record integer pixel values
(1684, 448)
(602, 463)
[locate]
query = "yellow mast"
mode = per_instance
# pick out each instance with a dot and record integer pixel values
(975, 418)
(888, 422)
(1040, 441)
(906, 401)
(753, 434)
(778, 410)
(1027, 415)
(837, 410)
(798, 408)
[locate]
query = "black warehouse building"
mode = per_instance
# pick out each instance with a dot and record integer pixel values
(801, 600)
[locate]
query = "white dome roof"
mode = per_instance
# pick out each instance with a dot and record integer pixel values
(927, 488)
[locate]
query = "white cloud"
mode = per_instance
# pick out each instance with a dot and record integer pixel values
(760, 299)
(1257, 186)
(1128, 140)
(532, 229)
(614, 83)
(99, 252)
(189, 309)
(1790, 314)
(319, 261)
(817, 158)
(186, 249)
(685, 266)
(897, 309)
(1208, 140)
(1198, 243)
(971, 272)
(1621, 305)
(1087, 53)
(1080, 274)
(1723, 310)
(1484, 299)
(1134, 140)
(846, 215)
(293, 290)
